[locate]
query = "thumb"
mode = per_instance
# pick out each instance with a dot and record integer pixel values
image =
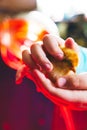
(70, 43)
(73, 81)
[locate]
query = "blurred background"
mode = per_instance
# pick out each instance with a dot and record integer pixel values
(21, 107)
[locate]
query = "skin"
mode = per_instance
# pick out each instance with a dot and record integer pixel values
(15, 6)
(75, 96)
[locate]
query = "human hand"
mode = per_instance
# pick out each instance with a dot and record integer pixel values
(75, 99)
(52, 57)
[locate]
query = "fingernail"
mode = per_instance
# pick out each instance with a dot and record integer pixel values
(60, 56)
(47, 66)
(61, 82)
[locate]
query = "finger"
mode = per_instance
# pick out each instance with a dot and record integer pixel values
(19, 77)
(51, 44)
(75, 82)
(70, 43)
(27, 59)
(20, 73)
(40, 58)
